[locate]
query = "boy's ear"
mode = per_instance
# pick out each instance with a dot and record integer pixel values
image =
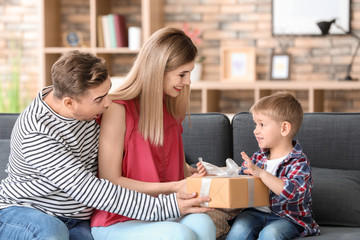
(285, 128)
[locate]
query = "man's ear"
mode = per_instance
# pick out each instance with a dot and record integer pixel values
(285, 128)
(69, 103)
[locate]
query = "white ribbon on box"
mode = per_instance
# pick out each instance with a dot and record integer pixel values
(231, 170)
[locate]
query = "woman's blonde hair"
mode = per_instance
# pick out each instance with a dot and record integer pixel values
(166, 50)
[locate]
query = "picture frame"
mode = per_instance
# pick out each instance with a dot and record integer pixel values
(299, 17)
(238, 64)
(73, 39)
(280, 67)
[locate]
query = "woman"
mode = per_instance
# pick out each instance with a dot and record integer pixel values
(140, 139)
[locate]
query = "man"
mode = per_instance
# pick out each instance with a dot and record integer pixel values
(52, 188)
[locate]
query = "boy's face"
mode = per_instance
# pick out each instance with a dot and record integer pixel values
(93, 103)
(267, 131)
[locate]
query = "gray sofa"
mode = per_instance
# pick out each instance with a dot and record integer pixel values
(330, 140)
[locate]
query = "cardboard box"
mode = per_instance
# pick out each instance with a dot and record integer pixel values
(230, 192)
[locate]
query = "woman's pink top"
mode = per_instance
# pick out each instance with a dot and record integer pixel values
(144, 161)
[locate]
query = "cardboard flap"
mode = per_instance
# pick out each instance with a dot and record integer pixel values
(219, 192)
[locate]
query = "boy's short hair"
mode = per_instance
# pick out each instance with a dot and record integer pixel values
(281, 106)
(75, 72)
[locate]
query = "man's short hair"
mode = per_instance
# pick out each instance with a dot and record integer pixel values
(75, 72)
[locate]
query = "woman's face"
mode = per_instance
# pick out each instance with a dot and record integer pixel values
(175, 80)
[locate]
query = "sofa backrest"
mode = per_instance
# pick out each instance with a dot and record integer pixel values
(243, 136)
(7, 121)
(330, 140)
(208, 137)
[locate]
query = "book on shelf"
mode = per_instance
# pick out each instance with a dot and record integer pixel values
(111, 23)
(112, 31)
(120, 31)
(106, 31)
(134, 38)
(100, 32)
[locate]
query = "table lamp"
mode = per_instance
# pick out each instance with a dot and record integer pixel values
(325, 27)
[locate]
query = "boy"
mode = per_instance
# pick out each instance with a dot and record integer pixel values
(284, 168)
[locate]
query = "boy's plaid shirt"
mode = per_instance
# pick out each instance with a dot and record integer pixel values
(295, 201)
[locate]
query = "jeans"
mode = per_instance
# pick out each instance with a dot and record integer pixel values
(197, 226)
(24, 223)
(253, 224)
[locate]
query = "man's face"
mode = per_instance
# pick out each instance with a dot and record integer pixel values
(93, 103)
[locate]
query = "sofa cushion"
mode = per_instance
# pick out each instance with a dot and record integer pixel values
(243, 136)
(336, 233)
(208, 137)
(4, 156)
(336, 197)
(331, 140)
(324, 137)
(6, 124)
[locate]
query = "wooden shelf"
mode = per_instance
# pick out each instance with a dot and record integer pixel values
(116, 50)
(210, 91)
(151, 14)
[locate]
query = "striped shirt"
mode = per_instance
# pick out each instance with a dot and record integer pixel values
(53, 165)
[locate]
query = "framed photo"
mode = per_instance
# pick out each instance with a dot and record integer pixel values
(299, 17)
(72, 39)
(280, 67)
(238, 64)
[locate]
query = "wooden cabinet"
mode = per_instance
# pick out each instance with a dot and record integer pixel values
(58, 16)
(210, 91)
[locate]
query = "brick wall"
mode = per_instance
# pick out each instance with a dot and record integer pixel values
(245, 23)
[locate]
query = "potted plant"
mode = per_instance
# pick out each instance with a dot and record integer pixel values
(195, 35)
(10, 101)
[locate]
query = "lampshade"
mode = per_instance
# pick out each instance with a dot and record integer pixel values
(325, 26)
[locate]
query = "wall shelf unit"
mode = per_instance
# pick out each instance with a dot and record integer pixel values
(210, 91)
(52, 30)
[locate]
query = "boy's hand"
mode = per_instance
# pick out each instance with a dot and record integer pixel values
(274, 183)
(188, 203)
(251, 168)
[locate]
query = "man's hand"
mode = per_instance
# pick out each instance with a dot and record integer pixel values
(188, 203)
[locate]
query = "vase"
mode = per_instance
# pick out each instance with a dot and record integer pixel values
(196, 72)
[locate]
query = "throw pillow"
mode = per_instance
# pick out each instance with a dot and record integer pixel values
(336, 197)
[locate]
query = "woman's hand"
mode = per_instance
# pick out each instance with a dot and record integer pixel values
(201, 169)
(180, 186)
